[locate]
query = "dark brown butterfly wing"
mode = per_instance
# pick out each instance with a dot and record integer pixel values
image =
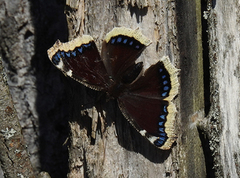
(147, 103)
(120, 49)
(80, 60)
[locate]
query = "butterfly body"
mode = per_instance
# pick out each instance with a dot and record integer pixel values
(145, 99)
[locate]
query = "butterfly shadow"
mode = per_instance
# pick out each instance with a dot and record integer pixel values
(138, 12)
(83, 98)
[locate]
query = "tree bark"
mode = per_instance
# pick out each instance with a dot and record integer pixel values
(26, 32)
(13, 156)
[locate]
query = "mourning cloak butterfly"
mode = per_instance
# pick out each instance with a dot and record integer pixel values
(145, 100)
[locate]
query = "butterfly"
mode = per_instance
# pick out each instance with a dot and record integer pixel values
(144, 98)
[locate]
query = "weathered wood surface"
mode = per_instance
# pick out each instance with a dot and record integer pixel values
(223, 120)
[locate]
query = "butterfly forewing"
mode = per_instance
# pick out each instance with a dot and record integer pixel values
(120, 49)
(80, 60)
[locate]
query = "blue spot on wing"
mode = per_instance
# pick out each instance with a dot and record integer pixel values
(165, 108)
(74, 53)
(125, 41)
(160, 141)
(161, 129)
(165, 82)
(163, 117)
(58, 55)
(164, 94)
(80, 50)
(119, 39)
(62, 53)
(166, 88)
(113, 40)
(87, 45)
(68, 54)
(161, 123)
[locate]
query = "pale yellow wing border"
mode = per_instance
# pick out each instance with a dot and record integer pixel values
(171, 117)
(130, 33)
(68, 46)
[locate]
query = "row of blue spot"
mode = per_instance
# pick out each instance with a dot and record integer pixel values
(63, 54)
(165, 82)
(161, 140)
(162, 117)
(126, 40)
(161, 130)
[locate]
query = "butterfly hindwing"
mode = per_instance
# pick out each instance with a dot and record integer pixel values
(147, 104)
(80, 60)
(151, 117)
